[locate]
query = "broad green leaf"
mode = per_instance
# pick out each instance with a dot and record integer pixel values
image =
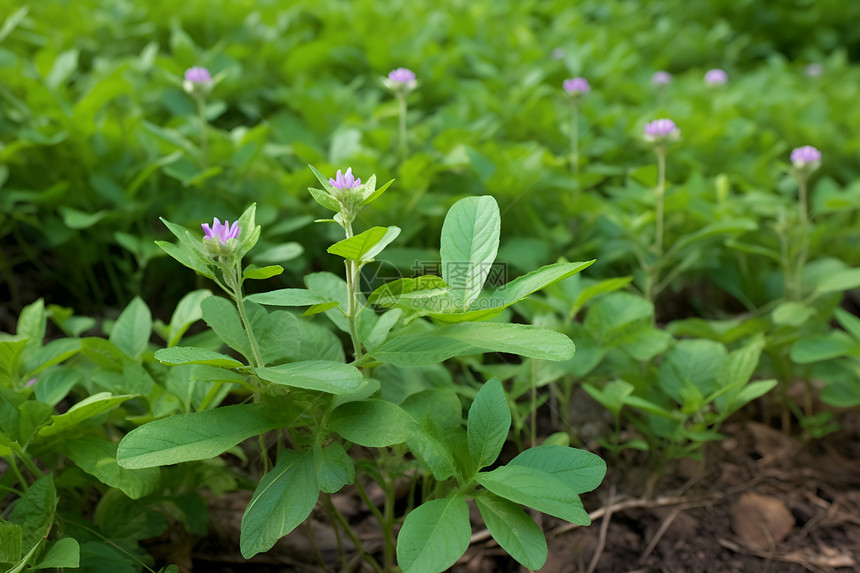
(61, 554)
(250, 233)
(536, 489)
(437, 414)
(689, 370)
(187, 312)
(434, 535)
(470, 241)
(603, 287)
(82, 411)
(849, 322)
(409, 293)
(194, 436)
(749, 393)
(579, 470)
(32, 323)
(131, 331)
(189, 251)
(34, 512)
(252, 272)
(288, 297)
(372, 423)
(612, 395)
(791, 313)
(52, 387)
(488, 424)
(103, 353)
(285, 498)
(77, 220)
(53, 353)
(192, 355)
(383, 326)
(11, 350)
(838, 281)
(10, 542)
(364, 246)
(834, 344)
(97, 457)
(321, 375)
(223, 318)
(334, 467)
(512, 292)
(513, 529)
(474, 338)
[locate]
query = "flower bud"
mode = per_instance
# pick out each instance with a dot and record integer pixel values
(198, 81)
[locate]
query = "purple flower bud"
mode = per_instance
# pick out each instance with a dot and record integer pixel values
(222, 233)
(347, 181)
(661, 130)
(575, 86)
(661, 78)
(805, 156)
(814, 70)
(30, 382)
(198, 75)
(716, 77)
(402, 75)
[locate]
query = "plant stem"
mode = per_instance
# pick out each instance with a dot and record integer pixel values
(204, 138)
(235, 284)
(332, 509)
(352, 285)
(403, 146)
(14, 466)
(574, 136)
(804, 238)
(659, 193)
(534, 404)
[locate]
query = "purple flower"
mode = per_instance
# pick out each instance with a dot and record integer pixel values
(814, 70)
(222, 233)
(198, 75)
(30, 382)
(402, 75)
(575, 86)
(661, 130)
(805, 156)
(716, 77)
(661, 78)
(346, 181)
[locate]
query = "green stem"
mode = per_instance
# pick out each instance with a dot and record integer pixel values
(204, 137)
(534, 404)
(235, 283)
(574, 136)
(332, 509)
(659, 194)
(352, 286)
(14, 466)
(804, 238)
(401, 104)
(34, 469)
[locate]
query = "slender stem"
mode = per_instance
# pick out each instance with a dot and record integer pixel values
(34, 469)
(389, 542)
(804, 237)
(574, 135)
(14, 466)
(404, 150)
(204, 137)
(352, 285)
(335, 512)
(235, 283)
(659, 193)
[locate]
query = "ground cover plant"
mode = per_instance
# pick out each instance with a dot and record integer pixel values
(613, 238)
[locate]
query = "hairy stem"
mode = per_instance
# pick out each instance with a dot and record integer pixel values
(804, 238)
(401, 104)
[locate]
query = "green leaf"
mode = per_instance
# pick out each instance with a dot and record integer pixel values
(434, 535)
(689, 370)
(223, 318)
(791, 313)
(474, 338)
(189, 251)
(536, 489)
(103, 353)
(321, 375)
(10, 542)
(285, 498)
(77, 220)
(834, 344)
(838, 281)
(252, 272)
(849, 322)
(579, 470)
(97, 457)
(53, 353)
(364, 246)
(488, 424)
(513, 529)
(288, 297)
(470, 241)
(372, 423)
(32, 323)
(192, 355)
(437, 414)
(603, 287)
(82, 411)
(187, 312)
(34, 512)
(194, 436)
(512, 292)
(62, 553)
(376, 192)
(612, 395)
(408, 293)
(131, 331)
(334, 467)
